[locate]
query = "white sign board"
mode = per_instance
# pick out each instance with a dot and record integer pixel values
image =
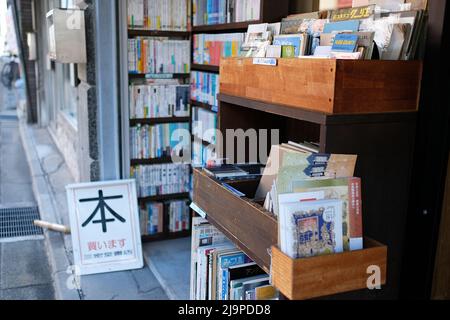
(104, 221)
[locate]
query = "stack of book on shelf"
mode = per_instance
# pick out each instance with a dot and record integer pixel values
(202, 155)
(220, 271)
(204, 125)
(158, 55)
(316, 199)
(210, 12)
(164, 15)
(159, 99)
(209, 48)
(156, 141)
(205, 87)
(386, 30)
(164, 179)
(152, 217)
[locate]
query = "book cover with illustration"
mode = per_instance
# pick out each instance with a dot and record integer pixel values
(349, 191)
(309, 229)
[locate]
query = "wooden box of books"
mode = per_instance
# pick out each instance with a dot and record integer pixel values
(326, 85)
(328, 275)
(246, 223)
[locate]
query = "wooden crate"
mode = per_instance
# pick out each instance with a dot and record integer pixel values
(255, 231)
(326, 85)
(328, 275)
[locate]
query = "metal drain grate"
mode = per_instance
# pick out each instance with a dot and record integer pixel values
(8, 118)
(18, 223)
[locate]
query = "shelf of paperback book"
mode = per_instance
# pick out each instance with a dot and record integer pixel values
(205, 68)
(255, 231)
(153, 121)
(157, 33)
(218, 28)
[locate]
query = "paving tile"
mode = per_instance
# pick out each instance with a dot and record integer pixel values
(24, 264)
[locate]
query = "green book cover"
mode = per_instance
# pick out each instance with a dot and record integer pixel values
(288, 52)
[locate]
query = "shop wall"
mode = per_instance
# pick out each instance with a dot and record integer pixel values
(68, 109)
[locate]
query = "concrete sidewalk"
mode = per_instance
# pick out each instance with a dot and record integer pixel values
(24, 267)
(50, 175)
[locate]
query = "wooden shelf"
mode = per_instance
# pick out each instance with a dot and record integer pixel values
(153, 121)
(316, 117)
(202, 105)
(384, 143)
(135, 76)
(143, 162)
(205, 68)
(166, 236)
(327, 85)
(255, 231)
(157, 33)
(219, 28)
(176, 196)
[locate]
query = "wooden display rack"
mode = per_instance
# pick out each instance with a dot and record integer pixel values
(379, 126)
(254, 230)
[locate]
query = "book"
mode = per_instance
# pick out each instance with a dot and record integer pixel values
(205, 87)
(345, 43)
(208, 49)
(309, 229)
(204, 124)
(298, 41)
(349, 25)
(203, 235)
(346, 189)
(179, 216)
(161, 179)
(211, 12)
(152, 55)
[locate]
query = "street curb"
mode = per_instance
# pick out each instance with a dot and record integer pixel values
(54, 242)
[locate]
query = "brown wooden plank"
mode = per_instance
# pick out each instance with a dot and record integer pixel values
(325, 85)
(441, 279)
(246, 224)
(377, 86)
(328, 275)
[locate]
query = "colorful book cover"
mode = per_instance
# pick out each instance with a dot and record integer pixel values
(290, 40)
(350, 25)
(345, 43)
(309, 229)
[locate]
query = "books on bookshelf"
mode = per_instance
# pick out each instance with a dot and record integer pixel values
(158, 55)
(159, 99)
(151, 217)
(202, 155)
(179, 216)
(164, 15)
(209, 48)
(373, 31)
(220, 271)
(316, 199)
(204, 124)
(150, 142)
(205, 87)
(162, 179)
(210, 12)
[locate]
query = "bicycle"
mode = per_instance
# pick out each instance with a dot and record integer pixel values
(10, 72)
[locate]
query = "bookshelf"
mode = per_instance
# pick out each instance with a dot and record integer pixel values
(384, 141)
(270, 11)
(128, 78)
